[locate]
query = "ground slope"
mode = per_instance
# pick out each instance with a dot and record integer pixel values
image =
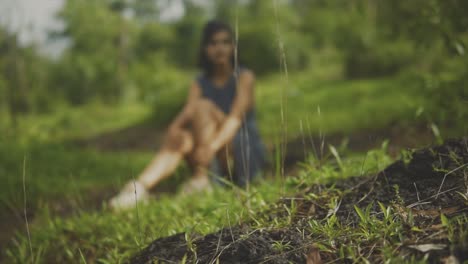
(414, 210)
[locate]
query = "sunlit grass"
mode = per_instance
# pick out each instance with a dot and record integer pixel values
(332, 106)
(110, 237)
(55, 172)
(311, 107)
(336, 106)
(72, 122)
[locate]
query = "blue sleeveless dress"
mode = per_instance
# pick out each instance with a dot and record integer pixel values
(248, 150)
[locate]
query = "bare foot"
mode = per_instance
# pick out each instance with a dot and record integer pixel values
(196, 184)
(132, 193)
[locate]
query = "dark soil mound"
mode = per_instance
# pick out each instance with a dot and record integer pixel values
(429, 183)
(239, 244)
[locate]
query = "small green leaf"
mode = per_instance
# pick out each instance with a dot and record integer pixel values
(385, 210)
(337, 156)
(444, 220)
(360, 213)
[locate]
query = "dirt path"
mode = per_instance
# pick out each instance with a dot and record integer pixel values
(424, 187)
(145, 137)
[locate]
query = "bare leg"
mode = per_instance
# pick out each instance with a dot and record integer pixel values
(167, 160)
(176, 145)
(205, 124)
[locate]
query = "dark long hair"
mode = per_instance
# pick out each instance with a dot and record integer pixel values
(211, 28)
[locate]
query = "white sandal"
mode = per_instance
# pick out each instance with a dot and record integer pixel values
(196, 184)
(132, 193)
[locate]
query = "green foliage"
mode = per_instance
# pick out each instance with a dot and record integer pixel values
(109, 237)
(183, 51)
(262, 27)
(103, 231)
(335, 106)
(446, 86)
(94, 65)
(116, 57)
(72, 123)
(161, 86)
(153, 38)
(23, 75)
(54, 172)
(141, 68)
(383, 59)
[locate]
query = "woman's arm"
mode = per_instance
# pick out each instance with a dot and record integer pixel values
(186, 113)
(242, 103)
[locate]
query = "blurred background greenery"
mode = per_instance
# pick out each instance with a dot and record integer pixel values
(120, 52)
(89, 118)
(335, 67)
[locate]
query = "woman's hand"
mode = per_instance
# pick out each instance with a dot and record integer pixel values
(241, 105)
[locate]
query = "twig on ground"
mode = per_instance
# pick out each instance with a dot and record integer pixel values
(445, 176)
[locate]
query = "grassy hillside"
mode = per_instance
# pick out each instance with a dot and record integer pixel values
(309, 108)
(67, 183)
(107, 237)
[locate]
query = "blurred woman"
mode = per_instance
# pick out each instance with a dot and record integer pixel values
(216, 130)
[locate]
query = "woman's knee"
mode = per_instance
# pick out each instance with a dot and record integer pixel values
(207, 110)
(203, 106)
(180, 141)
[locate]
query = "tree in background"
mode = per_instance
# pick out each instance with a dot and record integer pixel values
(23, 77)
(120, 49)
(95, 63)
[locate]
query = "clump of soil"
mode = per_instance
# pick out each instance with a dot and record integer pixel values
(239, 244)
(430, 182)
